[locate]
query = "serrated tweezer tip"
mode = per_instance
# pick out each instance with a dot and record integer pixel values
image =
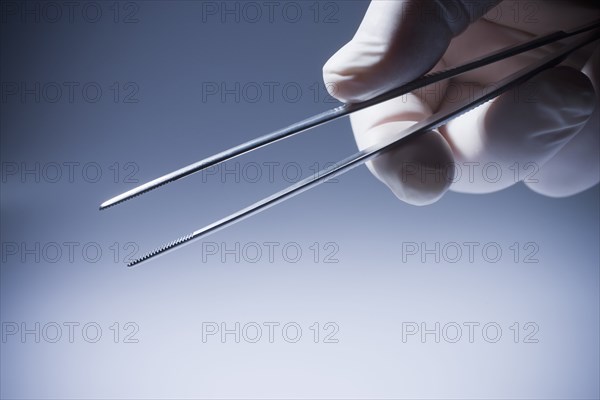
(160, 250)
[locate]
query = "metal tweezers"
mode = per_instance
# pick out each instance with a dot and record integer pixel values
(359, 158)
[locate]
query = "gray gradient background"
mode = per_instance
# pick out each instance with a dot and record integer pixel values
(168, 53)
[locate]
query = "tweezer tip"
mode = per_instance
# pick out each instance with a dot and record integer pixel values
(162, 249)
(111, 202)
(130, 194)
(105, 205)
(116, 200)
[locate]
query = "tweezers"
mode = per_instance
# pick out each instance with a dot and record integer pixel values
(434, 121)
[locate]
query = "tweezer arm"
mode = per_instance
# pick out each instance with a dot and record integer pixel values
(342, 111)
(363, 156)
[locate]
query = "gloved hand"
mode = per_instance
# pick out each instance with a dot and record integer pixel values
(545, 133)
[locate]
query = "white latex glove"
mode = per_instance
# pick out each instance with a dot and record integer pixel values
(545, 133)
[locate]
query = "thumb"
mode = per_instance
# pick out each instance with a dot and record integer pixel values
(397, 42)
